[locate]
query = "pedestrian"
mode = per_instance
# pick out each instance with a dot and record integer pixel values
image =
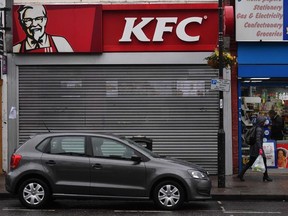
(277, 125)
(257, 149)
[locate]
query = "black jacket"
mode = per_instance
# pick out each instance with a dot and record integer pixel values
(254, 149)
(277, 128)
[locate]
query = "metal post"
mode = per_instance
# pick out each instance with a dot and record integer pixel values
(221, 132)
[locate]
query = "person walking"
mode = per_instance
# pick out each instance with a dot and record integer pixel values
(257, 149)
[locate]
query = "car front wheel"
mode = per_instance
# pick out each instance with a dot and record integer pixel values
(34, 193)
(168, 195)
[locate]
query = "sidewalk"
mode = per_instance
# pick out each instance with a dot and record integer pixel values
(253, 188)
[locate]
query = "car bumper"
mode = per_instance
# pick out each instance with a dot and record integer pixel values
(8, 183)
(200, 189)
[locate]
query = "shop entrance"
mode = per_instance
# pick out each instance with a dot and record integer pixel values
(258, 97)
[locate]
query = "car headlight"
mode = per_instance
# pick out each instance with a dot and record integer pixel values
(197, 174)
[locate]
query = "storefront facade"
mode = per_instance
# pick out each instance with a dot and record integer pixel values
(139, 74)
(262, 87)
(262, 73)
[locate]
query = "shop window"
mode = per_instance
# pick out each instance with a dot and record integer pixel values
(259, 100)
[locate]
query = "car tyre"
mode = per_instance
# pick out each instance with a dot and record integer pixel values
(34, 193)
(169, 195)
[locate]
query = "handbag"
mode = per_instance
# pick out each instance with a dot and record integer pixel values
(258, 165)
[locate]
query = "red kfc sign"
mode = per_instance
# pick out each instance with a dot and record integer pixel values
(57, 28)
(162, 26)
(115, 28)
(167, 27)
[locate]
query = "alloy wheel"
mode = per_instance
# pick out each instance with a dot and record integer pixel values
(169, 195)
(33, 193)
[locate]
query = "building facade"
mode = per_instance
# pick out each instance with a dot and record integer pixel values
(129, 69)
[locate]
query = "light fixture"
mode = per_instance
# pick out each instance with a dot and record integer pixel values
(260, 78)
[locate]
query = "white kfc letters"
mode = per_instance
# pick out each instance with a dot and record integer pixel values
(161, 27)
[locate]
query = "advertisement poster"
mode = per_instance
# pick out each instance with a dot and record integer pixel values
(269, 148)
(261, 20)
(282, 155)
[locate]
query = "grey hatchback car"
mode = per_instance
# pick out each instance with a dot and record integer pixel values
(84, 165)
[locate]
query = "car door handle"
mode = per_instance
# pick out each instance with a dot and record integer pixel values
(50, 162)
(97, 166)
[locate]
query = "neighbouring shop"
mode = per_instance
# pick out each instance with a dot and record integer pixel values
(263, 87)
(125, 69)
(261, 33)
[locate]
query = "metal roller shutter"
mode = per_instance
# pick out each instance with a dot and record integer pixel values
(173, 105)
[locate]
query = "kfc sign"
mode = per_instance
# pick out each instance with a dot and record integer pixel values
(161, 27)
(57, 28)
(115, 28)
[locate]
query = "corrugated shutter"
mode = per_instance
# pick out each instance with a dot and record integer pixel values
(173, 105)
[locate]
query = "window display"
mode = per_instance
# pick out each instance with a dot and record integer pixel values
(268, 101)
(272, 102)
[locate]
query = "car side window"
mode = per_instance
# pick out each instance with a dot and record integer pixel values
(104, 147)
(42, 146)
(67, 145)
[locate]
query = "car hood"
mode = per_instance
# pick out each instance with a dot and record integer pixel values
(179, 162)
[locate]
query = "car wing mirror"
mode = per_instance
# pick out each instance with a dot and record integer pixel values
(136, 158)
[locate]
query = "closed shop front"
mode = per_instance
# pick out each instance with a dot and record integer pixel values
(172, 105)
(148, 78)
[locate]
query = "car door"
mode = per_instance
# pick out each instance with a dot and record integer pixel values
(67, 164)
(113, 173)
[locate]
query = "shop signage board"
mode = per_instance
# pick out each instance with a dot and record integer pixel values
(57, 28)
(160, 28)
(261, 20)
(115, 28)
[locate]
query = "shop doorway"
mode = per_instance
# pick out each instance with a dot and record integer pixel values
(258, 97)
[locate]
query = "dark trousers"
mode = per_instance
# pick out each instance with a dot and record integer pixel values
(250, 163)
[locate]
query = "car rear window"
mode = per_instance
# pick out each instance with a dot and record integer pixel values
(67, 144)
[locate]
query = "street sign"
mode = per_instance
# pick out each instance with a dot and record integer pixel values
(220, 84)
